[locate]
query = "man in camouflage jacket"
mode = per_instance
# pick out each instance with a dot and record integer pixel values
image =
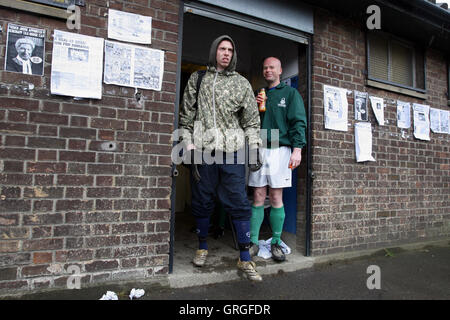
(225, 114)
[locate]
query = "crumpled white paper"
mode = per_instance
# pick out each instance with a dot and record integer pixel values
(109, 296)
(136, 293)
(264, 248)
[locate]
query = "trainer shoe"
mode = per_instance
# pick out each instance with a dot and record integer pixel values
(277, 252)
(249, 269)
(200, 257)
(254, 249)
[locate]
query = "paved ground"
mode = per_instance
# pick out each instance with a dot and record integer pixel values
(419, 274)
(404, 274)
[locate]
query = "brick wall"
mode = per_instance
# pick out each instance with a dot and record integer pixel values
(404, 195)
(64, 200)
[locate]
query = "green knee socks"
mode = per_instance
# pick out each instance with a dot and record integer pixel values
(255, 223)
(277, 216)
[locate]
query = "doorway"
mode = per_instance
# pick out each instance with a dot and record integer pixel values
(252, 47)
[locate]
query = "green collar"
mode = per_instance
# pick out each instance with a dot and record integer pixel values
(281, 85)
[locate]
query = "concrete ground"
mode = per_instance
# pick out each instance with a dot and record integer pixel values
(407, 273)
(223, 256)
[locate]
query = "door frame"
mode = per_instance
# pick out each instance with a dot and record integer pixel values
(264, 27)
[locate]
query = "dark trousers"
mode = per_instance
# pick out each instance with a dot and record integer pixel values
(225, 182)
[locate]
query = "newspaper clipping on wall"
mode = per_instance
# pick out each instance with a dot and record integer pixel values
(361, 110)
(77, 62)
(129, 27)
(377, 104)
(25, 50)
(363, 141)
(403, 114)
(421, 121)
(439, 121)
(133, 66)
(335, 108)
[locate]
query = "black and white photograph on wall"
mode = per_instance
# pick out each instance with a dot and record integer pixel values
(361, 112)
(25, 50)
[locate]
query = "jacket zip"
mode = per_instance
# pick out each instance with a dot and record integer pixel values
(214, 108)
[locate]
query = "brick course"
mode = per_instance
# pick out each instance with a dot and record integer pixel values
(67, 201)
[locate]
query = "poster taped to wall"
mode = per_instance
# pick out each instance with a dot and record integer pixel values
(439, 121)
(403, 114)
(378, 109)
(25, 50)
(129, 27)
(363, 141)
(361, 110)
(133, 66)
(77, 62)
(335, 108)
(421, 121)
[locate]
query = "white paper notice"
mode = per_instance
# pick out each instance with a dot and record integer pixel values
(439, 120)
(421, 121)
(77, 62)
(133, 66)
(403, 114)
(129, 27)
(378, 109)
(363, 141)
(335, 108)
(445, 121)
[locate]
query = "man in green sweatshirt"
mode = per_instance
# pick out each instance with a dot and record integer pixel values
(284, 121)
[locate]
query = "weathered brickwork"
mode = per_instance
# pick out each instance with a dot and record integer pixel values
(64, 200)
(404, 195)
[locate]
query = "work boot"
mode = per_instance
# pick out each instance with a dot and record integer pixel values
(254, 249)
(277, 252)
(200, 257)
(249, 269)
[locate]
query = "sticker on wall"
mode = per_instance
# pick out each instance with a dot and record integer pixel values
(378, 109)
(421, 121)
(403, 114)
(439, 121)
(25, 50)
(335, 108)
(361, 109)
(129, 27)
(363, 141)
(77, 62)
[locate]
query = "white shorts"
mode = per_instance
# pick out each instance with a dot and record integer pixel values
(275, 172)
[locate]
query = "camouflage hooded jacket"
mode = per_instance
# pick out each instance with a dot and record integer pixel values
(227, 111)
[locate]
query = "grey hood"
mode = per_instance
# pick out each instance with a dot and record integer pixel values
(213, 50)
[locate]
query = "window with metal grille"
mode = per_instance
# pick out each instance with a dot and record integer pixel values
(395, 62)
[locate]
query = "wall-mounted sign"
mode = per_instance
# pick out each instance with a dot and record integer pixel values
(55, 3)
(53, 8)
(59, 3)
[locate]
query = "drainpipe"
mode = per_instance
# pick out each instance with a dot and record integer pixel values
(309, 173)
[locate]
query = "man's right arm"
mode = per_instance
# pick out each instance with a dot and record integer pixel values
(188, 111)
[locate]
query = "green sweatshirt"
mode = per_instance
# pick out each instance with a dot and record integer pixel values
(285, 111)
